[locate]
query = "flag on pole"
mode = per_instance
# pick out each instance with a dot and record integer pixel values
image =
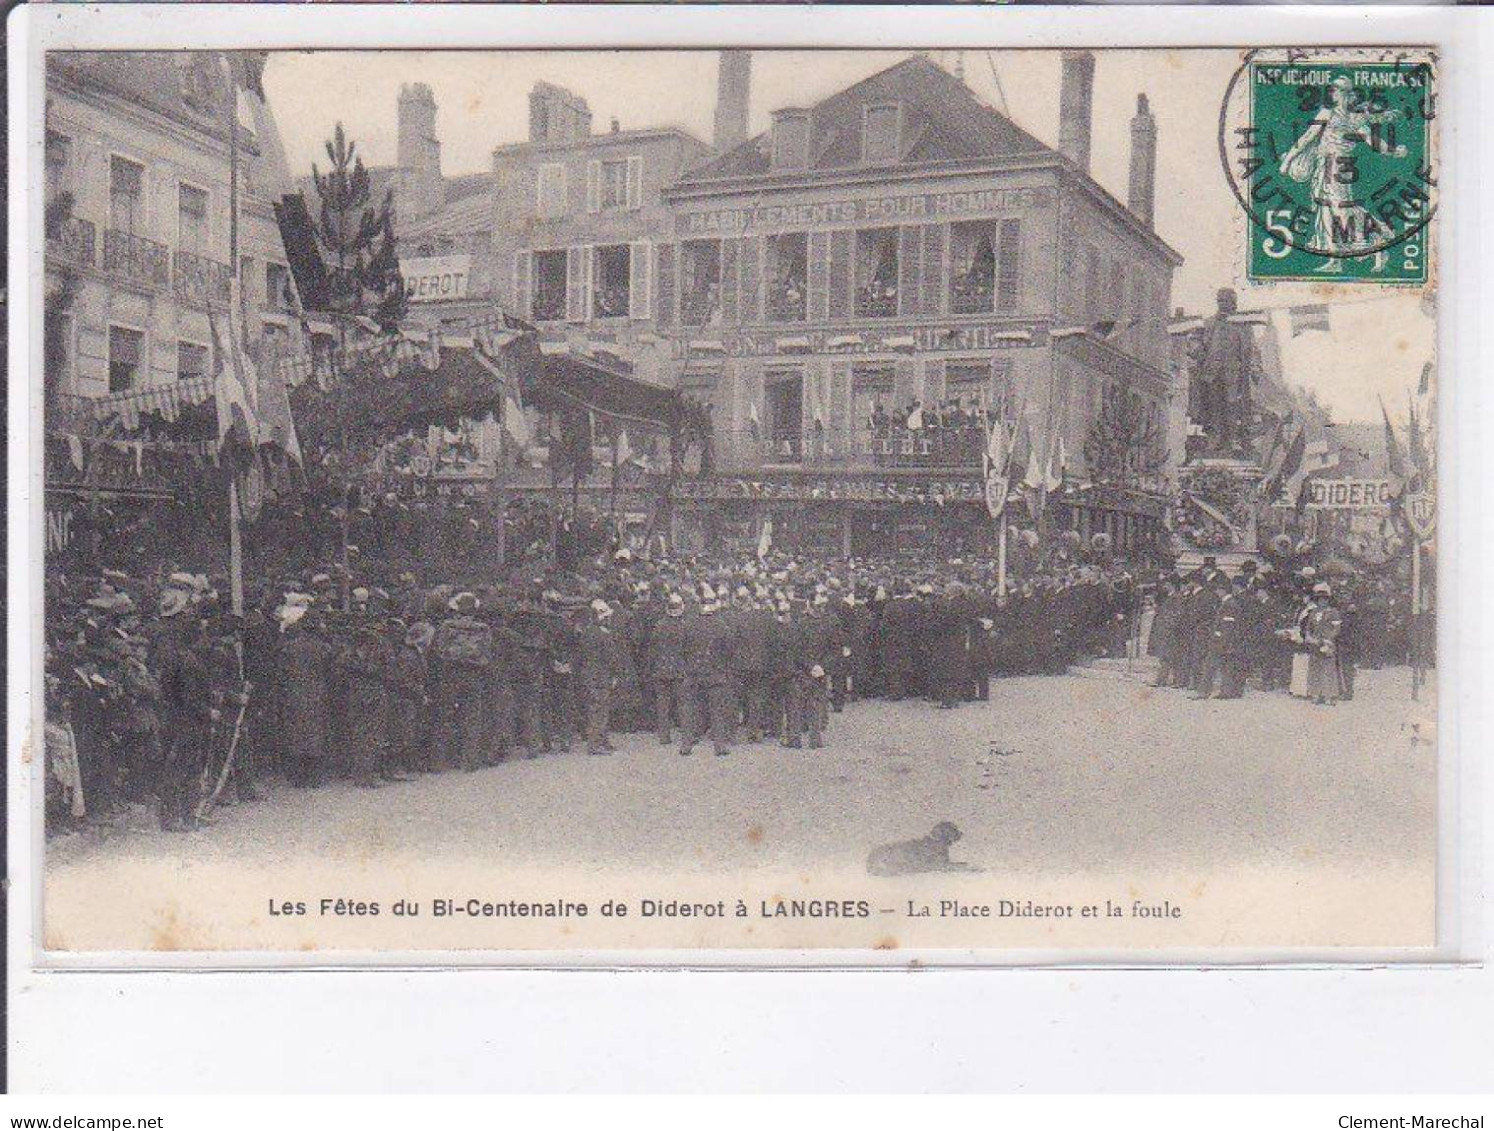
(624, 449)
(915, 418)
(1305, 319)
(1420, 457)
(765, 538)
(230, 391)
(1057, 465)
(1425, 386)
(1394, 458)
(754, 422)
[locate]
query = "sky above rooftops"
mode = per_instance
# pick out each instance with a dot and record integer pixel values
(1374, 349)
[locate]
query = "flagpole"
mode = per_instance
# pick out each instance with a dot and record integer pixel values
(235, 535)
(1001, 555)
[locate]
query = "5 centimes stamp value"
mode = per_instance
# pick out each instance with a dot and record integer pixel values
(1330, 154)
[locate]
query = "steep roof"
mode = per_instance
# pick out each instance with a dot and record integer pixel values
(942, 121)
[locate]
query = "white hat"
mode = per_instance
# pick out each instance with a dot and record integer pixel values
(1323, 587)
(298, 600)
(601, 608)
(707, 593)
(173, 601)
(360, 595)
(288, 615)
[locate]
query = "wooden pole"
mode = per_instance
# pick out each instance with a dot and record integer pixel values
(1001, 555)
(1416, 673)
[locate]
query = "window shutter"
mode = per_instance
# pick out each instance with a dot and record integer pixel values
(523, 288)
(639, 305)
(664, 283)
(932, 269)
(593, 186)
(840, 406)
(819, 276)
(635, 182)
(842, 281)
(731, 309)
(909, 257)
(904, 390)
(751, 268)
(935, 382)
(576, 290)
(1009, 265)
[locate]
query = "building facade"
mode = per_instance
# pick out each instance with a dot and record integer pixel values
(139, 144)
(578, 220)
(854, 289)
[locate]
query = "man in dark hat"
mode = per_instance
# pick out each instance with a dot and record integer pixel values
(187, 707)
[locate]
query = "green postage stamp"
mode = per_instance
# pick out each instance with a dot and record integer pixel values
(1331, 157)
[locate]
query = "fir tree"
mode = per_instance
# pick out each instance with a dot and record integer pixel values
(363, 268)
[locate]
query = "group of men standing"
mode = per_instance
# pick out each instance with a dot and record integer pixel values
(1212, 633)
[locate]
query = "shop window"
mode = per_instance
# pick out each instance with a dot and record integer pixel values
(700, 289)
(881, 134)
(191, 360)
(126, 358)
(876, 273)
(548, 294)
(788, 274)
(126, 195)
(612, 270)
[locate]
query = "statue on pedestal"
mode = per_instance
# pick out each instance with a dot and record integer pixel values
(1226, 366)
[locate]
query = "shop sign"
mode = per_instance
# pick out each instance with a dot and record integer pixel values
(1349, 494)
(900, 209)
(436, 279)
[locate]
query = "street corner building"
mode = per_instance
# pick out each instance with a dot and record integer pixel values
(832, 288)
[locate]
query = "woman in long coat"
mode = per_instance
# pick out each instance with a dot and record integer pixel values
(1322, 628)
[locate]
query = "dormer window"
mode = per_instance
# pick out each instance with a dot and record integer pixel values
(791, 139)
(881, 134)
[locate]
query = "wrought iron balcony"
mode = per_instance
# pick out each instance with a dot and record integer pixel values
(199, 281)
(73, 242)
(136, 259)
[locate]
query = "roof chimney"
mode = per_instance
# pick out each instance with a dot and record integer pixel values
(1141, 197)
(733, 92)
(1075, 106)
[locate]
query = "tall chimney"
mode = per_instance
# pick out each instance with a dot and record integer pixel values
(733, 91)
(1075, 106)
(418, 150)
(1141, 196)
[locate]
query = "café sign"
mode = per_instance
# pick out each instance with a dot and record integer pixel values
(436, 278)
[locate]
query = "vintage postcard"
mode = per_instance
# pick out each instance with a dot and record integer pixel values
(943, 503)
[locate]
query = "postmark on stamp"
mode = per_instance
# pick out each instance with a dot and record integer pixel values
(1330, 155)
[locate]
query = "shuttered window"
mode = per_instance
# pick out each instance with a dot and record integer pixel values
(1009, 266)
(577, 292)
(126, 358)
(664, 286)
(840, 276)
(639, 300)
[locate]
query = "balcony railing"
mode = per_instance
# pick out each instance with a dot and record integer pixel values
(200, 281)
(73, 243)
(888, 445)
(136, 259)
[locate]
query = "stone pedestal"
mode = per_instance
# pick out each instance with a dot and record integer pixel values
(1215, 512)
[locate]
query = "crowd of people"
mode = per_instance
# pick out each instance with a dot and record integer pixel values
(156, 681)
(1290, 630)
(163, 697)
